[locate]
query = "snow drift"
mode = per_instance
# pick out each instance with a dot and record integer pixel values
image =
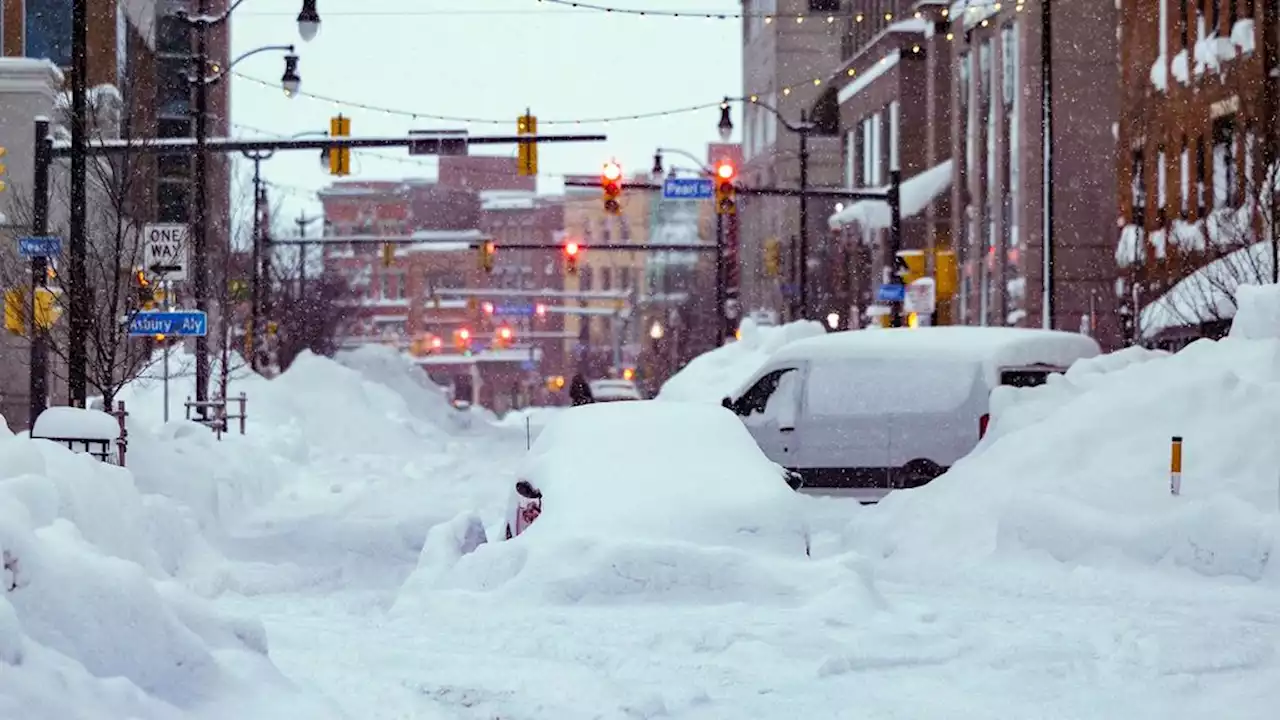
(1077, 470)
(644, 502)
(712, 375)
(93, 619)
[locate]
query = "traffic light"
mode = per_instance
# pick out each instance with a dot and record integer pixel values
(772, 257)
(3, 169)
(527, 164)
(725, 191)
(340, 157)
(487, 250)
(503, 338)
(611, 183)
(462, 339)
(571, 252)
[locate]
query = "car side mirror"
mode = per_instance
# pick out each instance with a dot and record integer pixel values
(727, 403)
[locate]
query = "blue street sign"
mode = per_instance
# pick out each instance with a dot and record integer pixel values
(891, 293)
(179, 323)
(687, 189)
(40, 246)
(514, 310)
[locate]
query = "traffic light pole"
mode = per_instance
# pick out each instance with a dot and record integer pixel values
(39, 388)
(722, 283)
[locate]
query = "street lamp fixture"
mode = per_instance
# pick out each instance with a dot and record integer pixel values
(657, 164)
(308, 21)
(726, 122)
(290, 81)
(655, 330)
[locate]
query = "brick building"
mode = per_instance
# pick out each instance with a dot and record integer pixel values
(602, 338)
(1194, 116)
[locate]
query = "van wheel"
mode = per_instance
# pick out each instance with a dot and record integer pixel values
(917, 473)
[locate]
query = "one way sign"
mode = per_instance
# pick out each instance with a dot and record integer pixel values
(164, 250)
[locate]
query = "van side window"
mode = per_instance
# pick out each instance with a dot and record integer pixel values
(1027, 377)
(756, 398)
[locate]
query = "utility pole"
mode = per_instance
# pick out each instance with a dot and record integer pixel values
(722, 288)
(78, 287)
(303, 221)
(803, 291)
(199, 230)
(1046, 112)
(39, 388)
(257, 261)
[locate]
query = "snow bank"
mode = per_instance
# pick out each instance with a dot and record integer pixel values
(1257, 312)
(93, 622)
(1077, 470)
(713, 375)
(645, 502)
(397, 371)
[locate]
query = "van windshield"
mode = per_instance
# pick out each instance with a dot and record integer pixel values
(889, 385)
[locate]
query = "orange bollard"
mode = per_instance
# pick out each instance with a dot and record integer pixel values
(1175, 466)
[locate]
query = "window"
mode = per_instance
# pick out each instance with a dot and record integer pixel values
(756, 398)
(606, 279)
(171, 199)
(851, 159)
(624, 279)
(1184, 24)
(172, 36)
(624, 228)
(48, 31)
(1184, 179)
(1162, 180)
(1138, 187)
(1225, 152)
(174, 166)
(984, 74)
(173, 128)
(893, 136)
(173, 93)
(1009, 64)
(392, 286)
(1200, 177)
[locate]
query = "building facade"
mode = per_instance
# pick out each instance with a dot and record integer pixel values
(1197, 112)
(784, 62)
(602, 337)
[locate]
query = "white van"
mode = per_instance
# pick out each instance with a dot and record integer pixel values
(867, 411)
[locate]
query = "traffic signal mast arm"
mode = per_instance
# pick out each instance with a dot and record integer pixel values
(835, 194)
(185, 146)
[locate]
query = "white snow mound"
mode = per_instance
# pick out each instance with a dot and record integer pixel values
(1078, 470)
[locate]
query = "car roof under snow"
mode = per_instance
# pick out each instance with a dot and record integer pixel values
(992, 346)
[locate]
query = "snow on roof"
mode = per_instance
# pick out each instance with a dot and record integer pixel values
(444, 240)
(76, 423)
(917, 193)
(993, 346)
(1209, 293)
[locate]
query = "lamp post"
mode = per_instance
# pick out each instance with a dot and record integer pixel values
(202, 22)
(803, 129)
(261, 256)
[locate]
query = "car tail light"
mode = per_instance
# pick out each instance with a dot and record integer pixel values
(983, 422)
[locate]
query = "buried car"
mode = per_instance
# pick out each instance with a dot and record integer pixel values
(660, 472)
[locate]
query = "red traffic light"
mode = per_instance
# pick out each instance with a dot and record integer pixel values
(725, 171)
(612, 172)
(571, 249)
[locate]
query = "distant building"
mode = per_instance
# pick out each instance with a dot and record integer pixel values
(604, 334)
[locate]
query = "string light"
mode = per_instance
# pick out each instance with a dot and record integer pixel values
(784, 91)
(971, 6)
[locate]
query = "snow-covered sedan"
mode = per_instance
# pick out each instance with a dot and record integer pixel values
(654, 471)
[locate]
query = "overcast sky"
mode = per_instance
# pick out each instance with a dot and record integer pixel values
(485, 59)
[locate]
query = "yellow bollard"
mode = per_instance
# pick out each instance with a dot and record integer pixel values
(1175, 466)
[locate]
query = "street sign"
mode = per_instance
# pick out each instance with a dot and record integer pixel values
(39, 246)
(687, 189)
(165, 248)
(515, 309)
(893, 292)
(921, 297)
(178, 323)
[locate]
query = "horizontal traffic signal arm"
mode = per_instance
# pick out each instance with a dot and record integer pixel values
(184, 146)
(409, 240)
(856, 194)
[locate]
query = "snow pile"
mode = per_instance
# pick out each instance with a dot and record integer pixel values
(94, 622)
(1077, 470)
(397, 371)
(1258, 313)
(713, 375)
(645, 502)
